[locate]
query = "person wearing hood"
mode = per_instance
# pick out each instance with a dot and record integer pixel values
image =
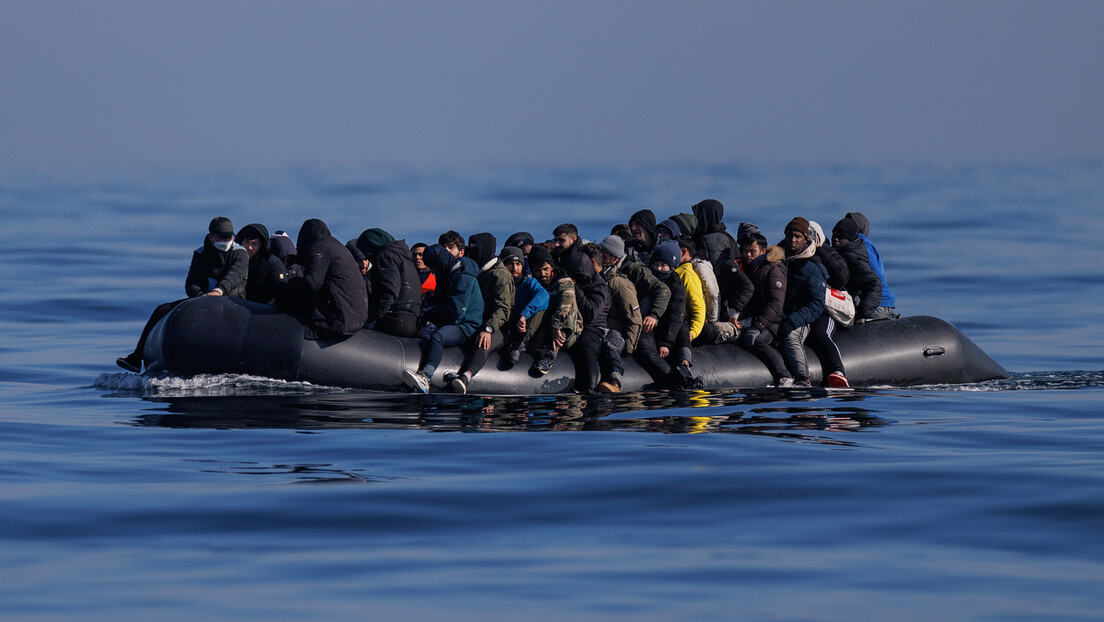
(863, 283)
(454, 315)
(805, 285)
(712, 236)
(219, 268)
(592, 297)
(889, 302)
(562, 322)
(266, 272)
(330, 297)
(496, 282)
(670, 341)
(394, 293)
(642, 225)
(763, 312)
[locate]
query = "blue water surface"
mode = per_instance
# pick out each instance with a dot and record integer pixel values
(128, 497)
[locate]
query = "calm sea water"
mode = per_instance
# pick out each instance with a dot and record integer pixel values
(125, 497)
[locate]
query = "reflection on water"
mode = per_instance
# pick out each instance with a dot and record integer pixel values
(783, 414)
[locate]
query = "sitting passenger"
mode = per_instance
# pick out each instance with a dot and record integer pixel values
(530, 302)
(820, 338)
(562, 323)
(395, 299)
(763, 312)
(665, 352)
(424, 273)
(454, 316)
(863, 283)
(889, 302)
(806, 280)
(712, 237)
(266, 272)
(496, 283)
(642, 225)
(624, 320)
(330, 298)
(219, 268)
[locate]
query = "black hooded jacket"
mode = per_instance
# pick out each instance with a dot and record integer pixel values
(266, 271)
(394, 285)
(337, 304)
(591, 291)
(712, 235)
(863, 283)
(637, 251)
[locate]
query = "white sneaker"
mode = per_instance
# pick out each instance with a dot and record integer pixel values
(784, 381)
(416, 380)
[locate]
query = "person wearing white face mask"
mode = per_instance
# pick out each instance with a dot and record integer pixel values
(219, 268)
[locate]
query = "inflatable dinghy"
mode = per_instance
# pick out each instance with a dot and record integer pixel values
(215, 335)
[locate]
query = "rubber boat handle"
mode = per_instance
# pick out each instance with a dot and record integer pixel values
(933, 352)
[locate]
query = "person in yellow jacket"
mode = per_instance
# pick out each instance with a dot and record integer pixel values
(695, 297)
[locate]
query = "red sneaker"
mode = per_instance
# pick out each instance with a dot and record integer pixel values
(837, 380)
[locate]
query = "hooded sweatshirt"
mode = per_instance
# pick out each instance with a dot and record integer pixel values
(338, 302)
(395, 287)
(712, 236)
(457, 300)
(266, 272)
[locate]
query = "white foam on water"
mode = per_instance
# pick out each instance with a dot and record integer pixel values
(206, 384)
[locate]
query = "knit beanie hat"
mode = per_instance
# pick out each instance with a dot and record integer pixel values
(669, 253)
(799, 224)
(511, 253)
(221, 227)
(613, 245)
(538, 257)
(372, 240)
(846, 229)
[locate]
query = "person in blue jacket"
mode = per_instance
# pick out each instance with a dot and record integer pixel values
(530, 302)
(806, 280)
(455, 313)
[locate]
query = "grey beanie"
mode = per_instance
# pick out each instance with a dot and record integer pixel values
(614, 246)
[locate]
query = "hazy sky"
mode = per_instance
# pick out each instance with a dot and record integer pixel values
(202, 84)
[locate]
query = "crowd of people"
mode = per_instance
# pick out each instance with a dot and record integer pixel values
(650, 290)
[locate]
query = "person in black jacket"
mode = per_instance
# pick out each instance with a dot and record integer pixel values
(711, 235)
(645, 235)
(863, 283)
(394, 296)
(593, 298)
(330, 298)
(670, 341)
(218, 268)
(266, 271)
(763, 313)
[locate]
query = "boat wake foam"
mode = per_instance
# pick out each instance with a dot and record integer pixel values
(205, 385)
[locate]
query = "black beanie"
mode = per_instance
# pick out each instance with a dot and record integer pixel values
(539, 256)
(846, 229)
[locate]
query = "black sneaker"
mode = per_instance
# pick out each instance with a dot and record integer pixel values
(544, 365)
(131, 362)
(458, 383)
(513, 356)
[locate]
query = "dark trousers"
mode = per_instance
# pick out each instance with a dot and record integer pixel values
(161, 311)
(820, 339)
(476, 357)
(585, 353)
(398, 324)
(771, 357)
(433, 349)
(647, 354)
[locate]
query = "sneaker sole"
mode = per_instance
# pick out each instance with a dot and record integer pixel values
(838, 382)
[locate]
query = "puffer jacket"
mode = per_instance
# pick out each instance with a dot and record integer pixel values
(806, 280)
(695, 299)
(863, 283)
(768, 275)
